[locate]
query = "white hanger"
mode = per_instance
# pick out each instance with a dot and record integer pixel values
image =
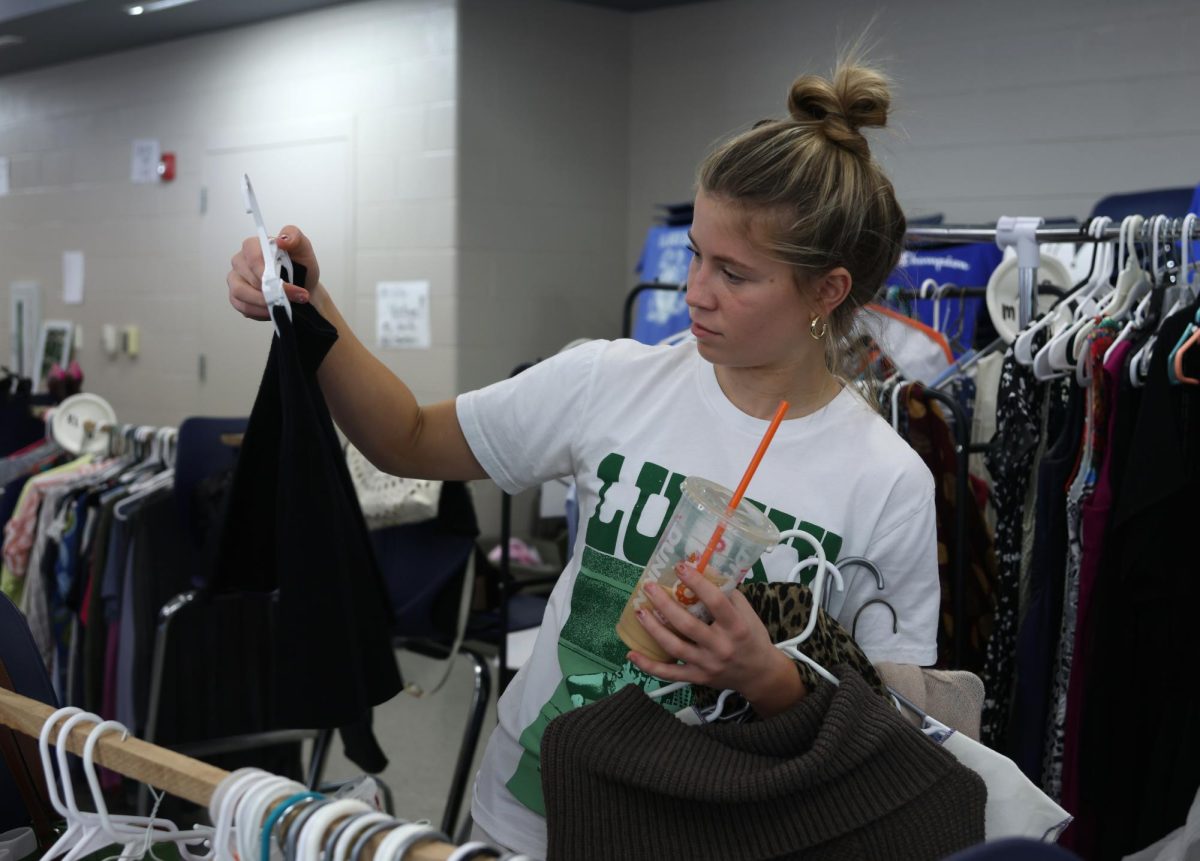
(398, 841)
(818, 585)
(930, 290)
(74, 827)
(1132, 280)
(223, 805)
(85, 835)
(896, 403)
(276, 262)
(312, 834)
(253, 808)
(1128, 279)
(345, 841)
(1138, 317)
(137, 833)
(1055, 357)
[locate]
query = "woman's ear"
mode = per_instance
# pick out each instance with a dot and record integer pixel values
(831, 289)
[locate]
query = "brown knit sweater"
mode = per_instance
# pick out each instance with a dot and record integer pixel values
(838, 776)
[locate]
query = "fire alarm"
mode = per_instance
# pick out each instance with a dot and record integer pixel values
(166, 167)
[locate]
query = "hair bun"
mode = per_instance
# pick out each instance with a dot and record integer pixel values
(858, 96)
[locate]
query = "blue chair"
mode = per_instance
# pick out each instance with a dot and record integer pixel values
(426, 566)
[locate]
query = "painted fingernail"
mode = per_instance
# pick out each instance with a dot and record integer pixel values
(650, 588)
(301, 298)
(285, 237)
(641, 614)
(684, 572)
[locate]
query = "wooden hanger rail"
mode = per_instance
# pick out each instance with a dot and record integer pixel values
(163, 769)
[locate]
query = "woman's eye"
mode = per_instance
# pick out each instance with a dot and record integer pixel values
(695, 253)
(732, 278)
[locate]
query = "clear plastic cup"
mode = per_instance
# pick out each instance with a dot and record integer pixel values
(746, 534)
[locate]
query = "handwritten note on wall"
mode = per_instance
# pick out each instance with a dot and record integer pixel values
(402, 314)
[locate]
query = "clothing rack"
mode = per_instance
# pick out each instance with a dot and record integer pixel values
(179, 775)
(1026, 234)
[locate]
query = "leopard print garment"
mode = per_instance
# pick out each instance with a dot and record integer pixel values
(784, 609)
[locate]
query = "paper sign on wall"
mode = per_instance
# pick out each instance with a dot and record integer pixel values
(402, 314)
(144, 162)
(73, 277)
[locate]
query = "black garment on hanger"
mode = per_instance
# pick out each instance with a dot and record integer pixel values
(1140, 752)
(1037, 638)
(1010, 461)
(18, 426)
(294, 524)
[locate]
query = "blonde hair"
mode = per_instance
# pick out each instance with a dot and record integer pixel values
(814, 196)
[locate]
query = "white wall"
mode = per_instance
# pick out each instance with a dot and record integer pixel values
(383, 73)
(544, 130)
(1022, 108)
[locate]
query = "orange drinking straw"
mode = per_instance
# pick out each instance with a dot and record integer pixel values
(745, 482)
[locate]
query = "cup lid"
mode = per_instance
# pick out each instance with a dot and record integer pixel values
(714, 498)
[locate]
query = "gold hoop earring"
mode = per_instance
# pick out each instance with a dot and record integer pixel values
(812, 328)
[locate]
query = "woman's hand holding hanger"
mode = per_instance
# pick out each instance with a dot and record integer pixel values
(245, 276)
(370, 404)
(735, 651)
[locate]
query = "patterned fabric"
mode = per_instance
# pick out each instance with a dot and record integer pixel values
(1080, 491)
(1052, 764)
(1010, 461)
(1093, 523)
(21, 528)
(784, 609)
(929, 435)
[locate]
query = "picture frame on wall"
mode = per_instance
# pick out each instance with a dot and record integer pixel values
(25, 323)
(54, 346)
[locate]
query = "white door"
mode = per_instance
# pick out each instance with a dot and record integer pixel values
(301, 176)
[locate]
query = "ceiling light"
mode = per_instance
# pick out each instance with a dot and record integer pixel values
(155, 6)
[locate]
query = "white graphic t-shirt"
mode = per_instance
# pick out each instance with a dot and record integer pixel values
(630, 422)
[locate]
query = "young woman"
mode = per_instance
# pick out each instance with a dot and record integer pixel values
(795, 228)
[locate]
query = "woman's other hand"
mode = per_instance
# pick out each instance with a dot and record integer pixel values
(245, 275)
(735, 651)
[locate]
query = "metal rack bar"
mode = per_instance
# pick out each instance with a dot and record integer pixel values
(983, 233)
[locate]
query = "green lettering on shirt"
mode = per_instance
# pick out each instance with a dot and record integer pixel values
(590, 654)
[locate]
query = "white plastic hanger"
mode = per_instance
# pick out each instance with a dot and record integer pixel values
(312, 834)
(74, 830)
(86, 836)
(1129, 280)
(147, 829)
(223, 805)
(899, 384)
(1132, 280)
(345, 841)
(253, 808)
(277, 265)
(143, 830)
(1055, 356)
(1139, 315)
(818, 585)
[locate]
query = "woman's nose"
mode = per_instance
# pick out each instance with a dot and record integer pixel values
(698, 294)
